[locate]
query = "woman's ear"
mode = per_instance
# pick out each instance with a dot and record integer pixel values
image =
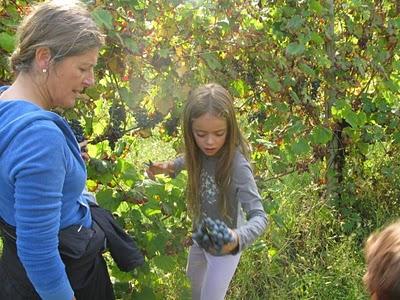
(42, 58)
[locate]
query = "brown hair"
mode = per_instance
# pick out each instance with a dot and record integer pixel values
(214, 99)
(382, 254)
(66, 29)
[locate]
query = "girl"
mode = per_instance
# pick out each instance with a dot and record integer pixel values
(220, 186)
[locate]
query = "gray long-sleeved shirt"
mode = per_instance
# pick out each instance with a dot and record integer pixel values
(243, 196)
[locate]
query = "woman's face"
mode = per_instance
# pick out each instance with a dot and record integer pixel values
(69, 77)
(209, 133)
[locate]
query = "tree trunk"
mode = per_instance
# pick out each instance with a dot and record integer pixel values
(332, 172)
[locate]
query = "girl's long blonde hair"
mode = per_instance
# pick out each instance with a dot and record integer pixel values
(216, 100)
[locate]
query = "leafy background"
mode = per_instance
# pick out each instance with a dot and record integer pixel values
(316, 87)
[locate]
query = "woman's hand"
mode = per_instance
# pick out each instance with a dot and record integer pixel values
(84, 150)
(166, 168)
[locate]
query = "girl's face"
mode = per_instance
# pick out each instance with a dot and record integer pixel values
(68, 78)
(209, 133)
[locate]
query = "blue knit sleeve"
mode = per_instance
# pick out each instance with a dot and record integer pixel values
(38, 171)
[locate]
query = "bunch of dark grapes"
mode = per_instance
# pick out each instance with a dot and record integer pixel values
(251, 79)
(114, 131)
(362, 42)
(314, 89)
(156, 118)
(237, 66)
(77, 129)
(117, 115)
(171, 125)
(113, 136)
(212, 234)
(144, 120)
(259, 116)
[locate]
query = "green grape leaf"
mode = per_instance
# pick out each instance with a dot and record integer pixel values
(321, 135)
(300, 147)
(7, 41)
(164, 262)
(103, 18)
(295, 49)
(212, 61)
(307, 70)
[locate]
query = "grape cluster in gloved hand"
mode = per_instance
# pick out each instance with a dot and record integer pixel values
(214, 236)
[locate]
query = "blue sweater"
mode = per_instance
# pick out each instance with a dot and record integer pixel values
(42, 176)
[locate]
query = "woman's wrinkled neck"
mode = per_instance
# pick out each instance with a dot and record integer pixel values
(26, 87)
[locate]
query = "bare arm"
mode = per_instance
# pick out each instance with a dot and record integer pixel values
(155, 168)
(170, 167)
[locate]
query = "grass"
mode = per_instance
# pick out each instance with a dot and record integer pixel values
(152, 148)
(306, 254)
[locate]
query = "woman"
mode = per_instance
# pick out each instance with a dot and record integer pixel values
(42, 174)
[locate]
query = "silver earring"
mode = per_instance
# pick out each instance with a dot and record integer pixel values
(44, 70)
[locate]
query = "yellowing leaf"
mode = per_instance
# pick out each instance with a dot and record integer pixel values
(115, 65)
(179, 51)
(163, 104)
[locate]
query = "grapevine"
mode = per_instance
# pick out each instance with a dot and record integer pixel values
(144, 120)
(171, 125)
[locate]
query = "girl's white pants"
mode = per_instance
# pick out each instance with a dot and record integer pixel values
(210, 275)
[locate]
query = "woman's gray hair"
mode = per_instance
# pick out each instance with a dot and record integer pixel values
(67, 29)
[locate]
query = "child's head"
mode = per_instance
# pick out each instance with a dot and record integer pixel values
(210, 127)
(382, 254)
(216, 102)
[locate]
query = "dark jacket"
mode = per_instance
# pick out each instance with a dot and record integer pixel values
(80, 250)
(122, 247)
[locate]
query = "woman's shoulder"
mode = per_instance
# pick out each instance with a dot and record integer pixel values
(22, 113)
(17, 107)
(21, 119)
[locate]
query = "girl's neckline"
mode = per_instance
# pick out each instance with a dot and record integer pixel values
(206, 157)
